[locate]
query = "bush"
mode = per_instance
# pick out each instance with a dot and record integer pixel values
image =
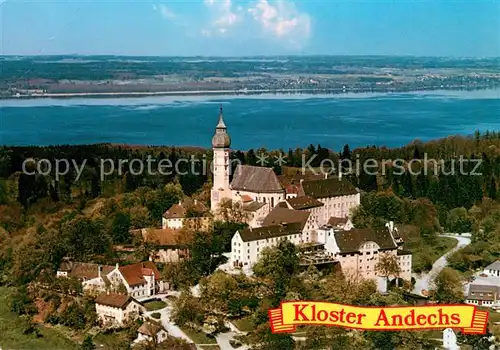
(156, 315)
(235, 343)
(22, 304)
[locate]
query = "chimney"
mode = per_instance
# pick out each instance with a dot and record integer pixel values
(301, 181)
(150, 258)
(326, 176)
(195, 201)
(340, 174)
(99, 271)
(117, 266)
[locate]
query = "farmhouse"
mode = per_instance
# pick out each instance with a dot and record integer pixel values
(114, 310)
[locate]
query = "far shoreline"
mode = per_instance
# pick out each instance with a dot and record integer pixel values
(236, 93)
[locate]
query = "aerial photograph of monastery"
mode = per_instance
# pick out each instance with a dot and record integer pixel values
(177, 175)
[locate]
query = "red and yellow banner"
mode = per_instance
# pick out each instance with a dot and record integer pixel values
(390, 318)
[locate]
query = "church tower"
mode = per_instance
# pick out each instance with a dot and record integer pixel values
(220, 166)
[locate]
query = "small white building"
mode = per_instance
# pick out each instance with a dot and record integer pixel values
(337, 223)
(248, 244)
(151, 331)
(114, 310)
(186, 214)
(140, 280)
(493, 269)
(483, 295)
(450, 339)
(255, 211)
(170, 244)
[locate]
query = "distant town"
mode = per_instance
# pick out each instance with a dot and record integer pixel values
(69, 76)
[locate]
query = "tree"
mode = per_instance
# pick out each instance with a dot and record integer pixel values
(82, 238)
(229, 294)
(458, 221)
(492, 188)
(388, 266)
(278, 264)
(21, 303)
(159, 201)
(476, 341)
(188, 309)
(263, 339)
(346, 153)
(448, 287)
(230, 211)
(120, 228)
(88, 344)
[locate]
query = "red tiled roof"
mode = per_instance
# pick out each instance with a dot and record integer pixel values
(114, 300)
(292, 189)
(335, 221)
(304, 202)
(163, 237)
(179, 210)
(134, 274)
(176, 211)
(84, 270)
(280, 215)
(246, 198)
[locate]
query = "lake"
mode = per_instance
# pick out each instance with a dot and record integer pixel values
(272, 121)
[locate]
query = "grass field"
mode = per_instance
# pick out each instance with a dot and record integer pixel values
(424, 255)
(12, 326)
(198, 337)
(244, 324)
(111, 341)
(155, 305)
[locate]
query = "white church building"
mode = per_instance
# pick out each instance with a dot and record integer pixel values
(332, 197)
(258, 183)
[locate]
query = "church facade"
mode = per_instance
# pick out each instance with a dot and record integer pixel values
(259, 184)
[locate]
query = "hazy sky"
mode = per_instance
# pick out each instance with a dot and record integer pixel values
(235, 28)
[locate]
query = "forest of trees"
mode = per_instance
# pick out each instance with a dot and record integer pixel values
(43, 219)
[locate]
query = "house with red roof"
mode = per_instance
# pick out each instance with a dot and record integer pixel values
(140, 280)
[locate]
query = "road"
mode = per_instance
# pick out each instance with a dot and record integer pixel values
(222, 339)
(423, 281)
(169, 326)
